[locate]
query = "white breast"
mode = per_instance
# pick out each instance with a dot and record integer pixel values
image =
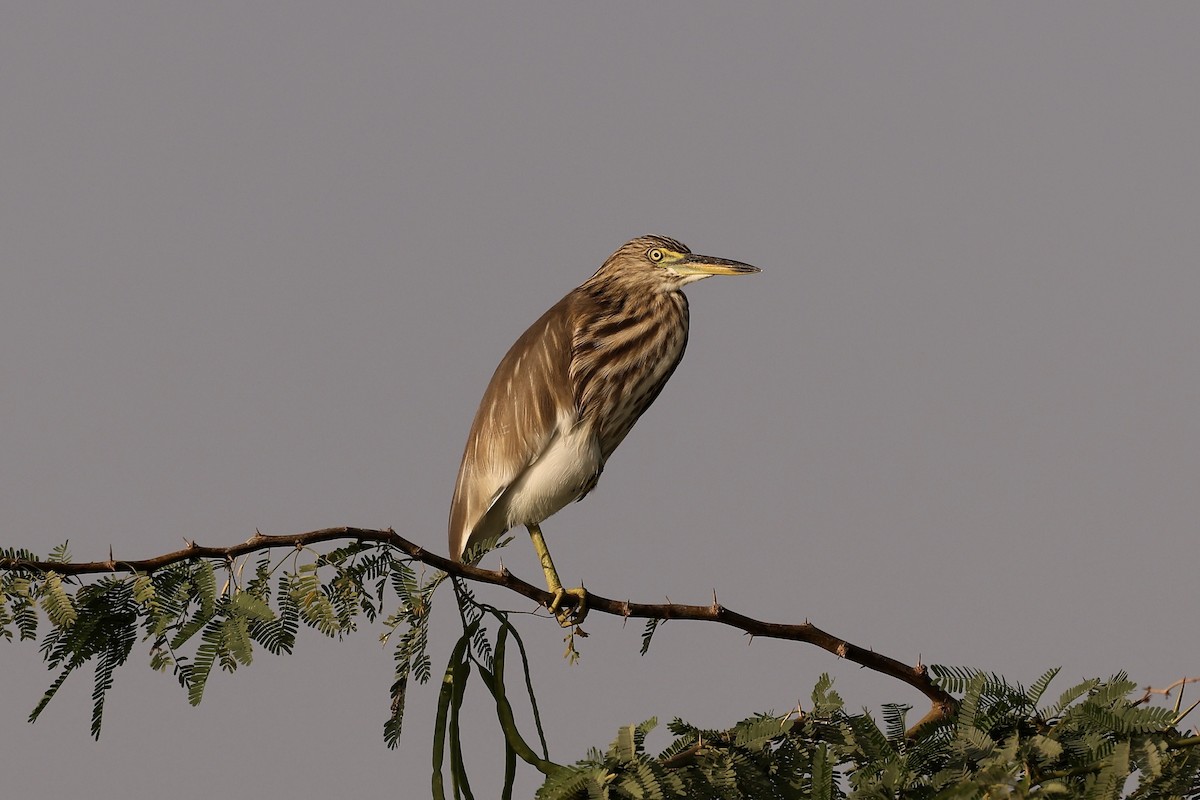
(562, 473)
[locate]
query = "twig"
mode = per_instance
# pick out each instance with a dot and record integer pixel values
(1166, 691)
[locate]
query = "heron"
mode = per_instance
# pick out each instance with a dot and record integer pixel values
(568, 392)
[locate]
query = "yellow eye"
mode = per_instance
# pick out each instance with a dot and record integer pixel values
(654, 254)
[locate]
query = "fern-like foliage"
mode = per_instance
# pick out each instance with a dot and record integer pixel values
(201, 615)
(1000, 745)
(102, 629)
(19, 593)
(415, 595)
(648, 634)
(198, 617)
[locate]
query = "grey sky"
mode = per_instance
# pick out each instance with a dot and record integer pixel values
(259, 263)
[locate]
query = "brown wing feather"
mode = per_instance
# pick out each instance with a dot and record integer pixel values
(517, 418)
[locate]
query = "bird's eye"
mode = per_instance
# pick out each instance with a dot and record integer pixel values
(655, 255)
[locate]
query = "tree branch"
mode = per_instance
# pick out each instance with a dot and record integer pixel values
(943, 704)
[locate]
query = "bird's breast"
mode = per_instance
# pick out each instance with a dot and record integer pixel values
(565, 471)
(620, 369)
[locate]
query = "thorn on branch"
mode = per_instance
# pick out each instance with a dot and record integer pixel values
(717, 609)
(799, 712)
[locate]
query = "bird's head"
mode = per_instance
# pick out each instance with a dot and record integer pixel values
(665, 264)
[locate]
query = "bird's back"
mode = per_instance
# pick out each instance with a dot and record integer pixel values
(516, 419)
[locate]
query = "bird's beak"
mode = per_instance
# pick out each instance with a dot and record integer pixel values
(703, 266)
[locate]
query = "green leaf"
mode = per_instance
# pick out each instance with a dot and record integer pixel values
(315, 608)
(56, 603)
(104, 629)
(1034, 695)
(247, 605)
(648, 634)
(824, 699)
(624, 748)
(61, 554)
(1070, 696)
(757, 732)
(196, 674)
(143, 590)
(822, 774)
(894, 717)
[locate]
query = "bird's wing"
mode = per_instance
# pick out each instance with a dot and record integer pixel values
(518, 417)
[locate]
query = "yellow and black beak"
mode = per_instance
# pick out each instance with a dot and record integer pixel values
(703, 266)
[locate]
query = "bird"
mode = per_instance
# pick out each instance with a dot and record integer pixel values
(568, 392)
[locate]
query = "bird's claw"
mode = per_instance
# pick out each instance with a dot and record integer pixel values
(573, 615)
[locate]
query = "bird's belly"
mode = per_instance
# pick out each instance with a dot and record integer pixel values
(563, 473)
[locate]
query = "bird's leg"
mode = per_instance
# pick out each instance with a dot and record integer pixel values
(566, 617)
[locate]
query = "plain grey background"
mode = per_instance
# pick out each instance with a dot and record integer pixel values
(259, 261)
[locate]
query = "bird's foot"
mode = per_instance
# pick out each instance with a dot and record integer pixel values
(573, 615)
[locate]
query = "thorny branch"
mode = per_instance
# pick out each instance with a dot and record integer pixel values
(1181, 685)
(943, 705)
(1166, 690)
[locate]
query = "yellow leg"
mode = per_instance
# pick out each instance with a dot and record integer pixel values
(567, 616)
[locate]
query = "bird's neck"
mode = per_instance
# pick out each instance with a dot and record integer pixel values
(617, 290)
